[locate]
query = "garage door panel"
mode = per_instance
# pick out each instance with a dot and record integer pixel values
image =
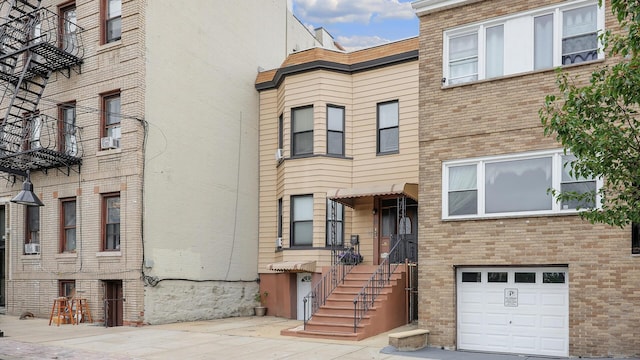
(527, 318)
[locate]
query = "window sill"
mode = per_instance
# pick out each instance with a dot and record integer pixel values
(109, 254)
(109, 152)
(109, 46)
(511, 216)
(67, 255)
(30, 257)
(511, 76)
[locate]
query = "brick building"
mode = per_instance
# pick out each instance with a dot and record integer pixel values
(503, 267)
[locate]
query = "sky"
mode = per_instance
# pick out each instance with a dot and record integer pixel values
(357, 24)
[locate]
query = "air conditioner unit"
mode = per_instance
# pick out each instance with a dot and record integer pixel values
(109, 143)
(279, 155)
(279, 242)
(32, 248)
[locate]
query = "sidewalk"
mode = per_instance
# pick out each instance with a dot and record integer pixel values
(231, 338)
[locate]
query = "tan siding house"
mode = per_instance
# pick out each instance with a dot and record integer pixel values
(363, 121)
(503, 267)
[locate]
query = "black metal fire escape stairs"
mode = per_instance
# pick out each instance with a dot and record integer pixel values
(35, 43)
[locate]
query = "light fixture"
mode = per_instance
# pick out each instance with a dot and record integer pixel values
(26, 196)
(374, 211)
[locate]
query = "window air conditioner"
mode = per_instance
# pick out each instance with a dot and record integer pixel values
(109, 143)
(279, 155)
(32, 248)
(279, 242)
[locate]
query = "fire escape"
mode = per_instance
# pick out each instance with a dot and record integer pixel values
(34, 44)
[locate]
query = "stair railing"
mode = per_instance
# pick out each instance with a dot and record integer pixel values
(381, 277)
(329, 282)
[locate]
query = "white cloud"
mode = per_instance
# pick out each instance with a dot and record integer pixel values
(349, 11)
(352, 43)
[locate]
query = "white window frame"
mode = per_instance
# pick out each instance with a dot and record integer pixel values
(480, 29)
(556, 178)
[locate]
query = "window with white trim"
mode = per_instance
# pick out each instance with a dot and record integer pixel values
(516, 184)
(538, 39)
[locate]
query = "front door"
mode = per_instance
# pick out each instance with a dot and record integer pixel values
(390, 228)
(113, 303)
(304, 288)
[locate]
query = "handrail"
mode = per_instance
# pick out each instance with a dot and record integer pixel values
(321, 291)
(370, 291)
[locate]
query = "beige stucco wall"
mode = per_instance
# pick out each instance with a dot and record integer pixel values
(201, 165)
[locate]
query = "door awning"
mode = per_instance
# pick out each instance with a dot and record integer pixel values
(348, 196)
(293, 266)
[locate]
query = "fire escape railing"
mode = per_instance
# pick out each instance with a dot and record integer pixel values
(380, 278)
(34, 43)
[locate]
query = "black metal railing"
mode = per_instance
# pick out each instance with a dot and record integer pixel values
(39, 142)
(380, 278)
(327, 284)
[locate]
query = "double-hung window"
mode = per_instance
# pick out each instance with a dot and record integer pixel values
(112, 20)
(510, 185)
(302, 128)
(335, 130)
(536, 39)
(32, 225)
(67, 130)
(111, 116)
(635, 238)
(302, 220)
(68, 24)
(388, 129)
(335, 228)
(68, 225)
(111, 222)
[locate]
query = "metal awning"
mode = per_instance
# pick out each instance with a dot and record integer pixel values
(293, 266)
(348, 196)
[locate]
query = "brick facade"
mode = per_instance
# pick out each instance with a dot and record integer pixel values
(495, 117)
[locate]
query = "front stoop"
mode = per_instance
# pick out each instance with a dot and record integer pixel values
(335, 319)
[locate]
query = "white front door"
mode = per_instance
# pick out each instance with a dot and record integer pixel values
(304, 288)
(514, 310)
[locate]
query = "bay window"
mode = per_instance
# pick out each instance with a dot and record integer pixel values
(516, 184)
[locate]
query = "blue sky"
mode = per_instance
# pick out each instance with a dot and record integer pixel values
(357, 24)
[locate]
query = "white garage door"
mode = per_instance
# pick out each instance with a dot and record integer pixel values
(514, 310)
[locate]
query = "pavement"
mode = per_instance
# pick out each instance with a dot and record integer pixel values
(230, 338)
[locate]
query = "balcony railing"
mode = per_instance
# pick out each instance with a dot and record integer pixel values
(39, 142)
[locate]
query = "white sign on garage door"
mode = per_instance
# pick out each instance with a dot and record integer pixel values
(514, 310)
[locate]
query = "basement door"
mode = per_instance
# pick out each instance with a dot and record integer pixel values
(304, 288)
(514, 310)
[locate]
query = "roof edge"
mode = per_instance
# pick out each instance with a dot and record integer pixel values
(425, 7)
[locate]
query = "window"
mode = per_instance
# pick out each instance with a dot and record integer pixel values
(513, 184)
(570, 183)
(67, 123)
(68, 225)
(388, 127)
(302, 220)
(525, 277)
(279, 218)
(111, 115)
(523, 42)
(635, 238)
(111, 221)
(68, 24)
(553, 277)
(302, 120)
(471, 277)
(112, 17)
(335, 216)
(335, 130)
(579, 35)
(32, 226)
(497, 277)
(34, 125)
(281, 132)
(67, 288)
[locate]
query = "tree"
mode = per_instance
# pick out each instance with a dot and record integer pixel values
(598, 122)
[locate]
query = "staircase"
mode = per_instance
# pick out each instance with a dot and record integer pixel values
(335, 319)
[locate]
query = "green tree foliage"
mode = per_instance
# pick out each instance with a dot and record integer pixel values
(598, 122)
